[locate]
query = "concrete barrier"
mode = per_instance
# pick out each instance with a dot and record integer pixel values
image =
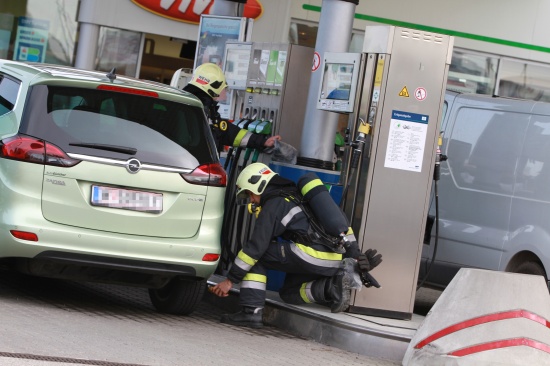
(485, 318)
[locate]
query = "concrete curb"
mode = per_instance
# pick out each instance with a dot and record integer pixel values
(358, 334)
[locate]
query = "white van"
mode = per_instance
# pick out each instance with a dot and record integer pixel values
(494, 191)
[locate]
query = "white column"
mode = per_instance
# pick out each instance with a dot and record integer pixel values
(87, 39)
(333, 35)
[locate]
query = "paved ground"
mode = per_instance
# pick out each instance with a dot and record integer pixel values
(48, 322)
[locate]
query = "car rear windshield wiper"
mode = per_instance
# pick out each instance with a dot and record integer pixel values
(114, 148)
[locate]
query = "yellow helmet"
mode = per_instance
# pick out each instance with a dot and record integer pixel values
(209, 78)
(254, 178)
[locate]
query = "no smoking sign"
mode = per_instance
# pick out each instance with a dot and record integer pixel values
(420, 94)
(316, 61)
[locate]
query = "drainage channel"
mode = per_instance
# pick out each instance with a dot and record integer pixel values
(64, 360)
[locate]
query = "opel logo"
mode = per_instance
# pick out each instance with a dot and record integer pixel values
(133, 166)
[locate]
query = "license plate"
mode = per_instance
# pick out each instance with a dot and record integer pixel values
(126, 199)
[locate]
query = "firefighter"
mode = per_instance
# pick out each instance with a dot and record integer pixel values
(314, 273)
(207, 83)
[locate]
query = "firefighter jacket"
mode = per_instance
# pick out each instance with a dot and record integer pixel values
(279, 217)
(225, 133)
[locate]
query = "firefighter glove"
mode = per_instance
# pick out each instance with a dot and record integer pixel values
(367, 261)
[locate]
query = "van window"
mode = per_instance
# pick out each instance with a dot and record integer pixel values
(484, 147)
(533, 175)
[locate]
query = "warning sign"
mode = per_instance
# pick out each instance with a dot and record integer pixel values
(420, 94)
(316, 61)
(404, 92)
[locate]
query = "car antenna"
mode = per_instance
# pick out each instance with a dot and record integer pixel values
(112, 74)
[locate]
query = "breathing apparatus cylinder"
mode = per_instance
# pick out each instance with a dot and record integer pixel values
(323, 206)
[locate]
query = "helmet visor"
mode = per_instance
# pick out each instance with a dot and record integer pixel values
(242, 194)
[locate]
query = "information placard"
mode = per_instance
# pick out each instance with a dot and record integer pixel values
(406, 141)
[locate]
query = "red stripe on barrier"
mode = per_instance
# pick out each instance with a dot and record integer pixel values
(521, 313)
(503, 343)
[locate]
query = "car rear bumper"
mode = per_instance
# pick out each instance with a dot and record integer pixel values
(84, 254)
(84, 267)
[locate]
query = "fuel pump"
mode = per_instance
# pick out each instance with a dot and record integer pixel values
(267, 81)
(396, 92)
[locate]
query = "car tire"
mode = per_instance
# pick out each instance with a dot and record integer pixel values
(178, 297)
(530, 267)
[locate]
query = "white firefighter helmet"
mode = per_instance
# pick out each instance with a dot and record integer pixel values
(209, 78)
(254, 178)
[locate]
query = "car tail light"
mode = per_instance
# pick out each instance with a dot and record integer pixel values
(24, 235)
(210, 257)
(208, 175)
(33, 150)
(122, 89)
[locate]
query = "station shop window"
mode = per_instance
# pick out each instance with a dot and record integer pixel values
(472, 72)
(526, 80)
(305, 34)
(118, 48)
(38, 30)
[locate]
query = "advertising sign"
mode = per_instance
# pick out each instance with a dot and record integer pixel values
(190, 11)
(281, 65)
(214, 31)
(272, 67)
(31, 40)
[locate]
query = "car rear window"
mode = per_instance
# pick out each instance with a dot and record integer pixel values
(119, 125)
(8, 94)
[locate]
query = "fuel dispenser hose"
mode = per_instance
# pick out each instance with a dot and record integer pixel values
(436, 198)
(235, 215)
(227, 255)
(439, 157)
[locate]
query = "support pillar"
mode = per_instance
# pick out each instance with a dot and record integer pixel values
(334, 35)
(87, 40)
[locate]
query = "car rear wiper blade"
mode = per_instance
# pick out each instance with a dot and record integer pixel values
(114, 148)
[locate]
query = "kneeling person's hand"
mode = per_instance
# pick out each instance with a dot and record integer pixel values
(367, 261)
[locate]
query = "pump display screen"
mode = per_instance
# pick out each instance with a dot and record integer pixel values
(337, 81)
(340, 75)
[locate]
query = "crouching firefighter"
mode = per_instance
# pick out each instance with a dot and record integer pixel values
(316, 272)
(207, 83)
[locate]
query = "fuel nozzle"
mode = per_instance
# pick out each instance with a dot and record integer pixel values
(363, 130)
(368, 280)
(439, 157)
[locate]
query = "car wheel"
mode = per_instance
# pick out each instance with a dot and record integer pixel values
(179, 296)
(532, 268)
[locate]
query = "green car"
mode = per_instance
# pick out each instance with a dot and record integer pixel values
(110, 179)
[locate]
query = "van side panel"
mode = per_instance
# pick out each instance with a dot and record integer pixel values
(483, 141)
(530, 216)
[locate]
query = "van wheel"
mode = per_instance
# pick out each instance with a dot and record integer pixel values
(178, 297)
(532, 268)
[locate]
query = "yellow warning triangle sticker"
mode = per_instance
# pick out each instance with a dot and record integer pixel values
(404, 92)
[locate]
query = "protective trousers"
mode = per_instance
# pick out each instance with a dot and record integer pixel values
(307, 270)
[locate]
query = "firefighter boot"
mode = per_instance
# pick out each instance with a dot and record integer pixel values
(338, 290)
(248, 317)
